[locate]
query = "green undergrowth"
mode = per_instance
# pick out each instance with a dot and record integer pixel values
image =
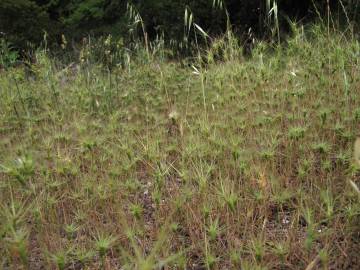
(223, 162)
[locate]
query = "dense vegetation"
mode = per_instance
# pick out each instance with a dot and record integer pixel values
(216, 164)
(26, 20)
(114, 154)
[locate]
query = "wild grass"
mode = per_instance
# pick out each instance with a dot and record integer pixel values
(126, 160)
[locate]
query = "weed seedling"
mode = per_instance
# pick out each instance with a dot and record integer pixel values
(18, 245)
(60, 259)
(71, 230)
(324, 114)
(258, 249)
(296, 133)
(229, 197)
(329, 203)
(103, 243)
(324, 257)
(136, 210)
(82, 255)
(321, 147)
(213, 229)
(210, 261)
(281, 249)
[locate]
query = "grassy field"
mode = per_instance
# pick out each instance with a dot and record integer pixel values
(216, 162)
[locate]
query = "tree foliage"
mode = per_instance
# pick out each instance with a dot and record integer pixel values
(26, 20)
(23, 20)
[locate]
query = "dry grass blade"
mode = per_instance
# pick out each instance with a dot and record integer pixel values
(313, 263)
(357, 151)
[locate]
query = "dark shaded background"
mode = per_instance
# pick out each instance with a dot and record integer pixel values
(24, 21)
